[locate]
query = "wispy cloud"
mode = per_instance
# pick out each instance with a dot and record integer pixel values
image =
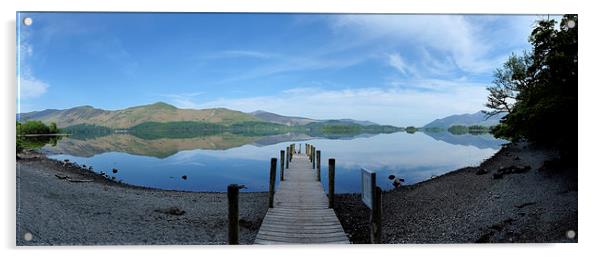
(452, 37)
(240, 54)
(29, 86)
(292, 63)
(396, 61)
(410, 105)
(112, 49)
(183, 100)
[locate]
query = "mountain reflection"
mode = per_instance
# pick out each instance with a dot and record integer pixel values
(164, 147)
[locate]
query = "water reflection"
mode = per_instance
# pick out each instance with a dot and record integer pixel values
(212, 162)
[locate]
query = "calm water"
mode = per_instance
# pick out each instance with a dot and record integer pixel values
(211, 163)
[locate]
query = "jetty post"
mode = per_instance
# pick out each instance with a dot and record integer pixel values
(233, 213)
(376, 217)
(331, 164)
(281, 165)
(313, 157)
(288, 155)
(272, 182)
(318, 153)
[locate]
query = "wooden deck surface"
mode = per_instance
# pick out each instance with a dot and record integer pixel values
(301, 214)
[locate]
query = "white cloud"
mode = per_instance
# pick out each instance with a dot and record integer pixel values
(417, 105)
(397, 62)
(28, 85)
(31, 88)
(465, 39)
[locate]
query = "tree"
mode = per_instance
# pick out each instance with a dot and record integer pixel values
(545, 93)
(509, 80)
(52, 128)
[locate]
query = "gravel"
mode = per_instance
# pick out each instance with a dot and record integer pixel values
(469, 206)
(55, 211)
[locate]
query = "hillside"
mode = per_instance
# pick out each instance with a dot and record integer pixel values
(130, 117)
(280, 119)
(478, 118)
(160, 119)
(294, 120)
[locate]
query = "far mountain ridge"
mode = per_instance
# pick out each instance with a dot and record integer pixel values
(478, 118)
(295, 120)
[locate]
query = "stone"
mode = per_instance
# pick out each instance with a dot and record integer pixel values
(171, 211)
(482, 171)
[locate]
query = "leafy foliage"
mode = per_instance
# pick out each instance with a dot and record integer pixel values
(36, 127)
(458, 129)
(86, 131)
(473, 129)
(184, 129)
(411, 129)
(543, 86)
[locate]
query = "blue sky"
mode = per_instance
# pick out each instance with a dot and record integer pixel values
(391, 69)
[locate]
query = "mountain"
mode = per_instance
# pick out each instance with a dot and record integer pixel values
(280, 119)
(129, 117)
(359, 122)
(478, 118)
(160, 112)
(294, 120)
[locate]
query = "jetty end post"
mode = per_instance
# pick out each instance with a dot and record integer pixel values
(318, 153)
(233, 213)
(376, 218)
(281, 165)
(331, 183)
(272, 182)
(313, 157)
(288, 155)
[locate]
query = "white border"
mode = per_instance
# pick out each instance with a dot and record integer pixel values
(589, 112)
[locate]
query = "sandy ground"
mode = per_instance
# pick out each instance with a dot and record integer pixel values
(464, 206)
(60, 212)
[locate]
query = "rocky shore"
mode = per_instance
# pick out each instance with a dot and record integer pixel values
(62, 203)
(521, 194)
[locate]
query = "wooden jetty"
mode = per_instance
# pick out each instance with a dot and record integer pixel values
(299, 212)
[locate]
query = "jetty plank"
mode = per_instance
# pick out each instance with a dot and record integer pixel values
(300, 214)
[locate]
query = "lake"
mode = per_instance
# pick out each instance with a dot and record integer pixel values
(210, 163)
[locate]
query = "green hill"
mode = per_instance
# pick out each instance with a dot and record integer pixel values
(130, 117)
